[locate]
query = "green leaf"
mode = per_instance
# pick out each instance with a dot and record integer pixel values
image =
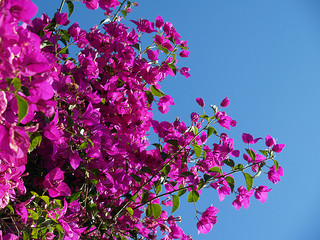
(276, 165)
(70, 7)
(33, 215)
(249, 180)
(163, 49)
(157, 145)
(60, 231)
(251, 154)
(202, 183)
(130, 211)
(145, 197)
(173, 68)
(181, 190)
(158, 188)
(193, 129)
(215, 169)
(34, 233)
(64, 50)
(64, 35)
(134, 198)
(10, 208)
(166, 170)
(229, 162)
(164, 156)
(187, 173)
(197, 150)
(34, 193)
(264, 152)
(156, 92)
(206, 177)
(124, 13)
(46, 199)
(206, 117)
(25, 235)
(175, 203)
(230, 182)
(46, 43)
(154, 210)
(238, 167)
(211, 130)
(83, 145)
(23, 107)
(41, 219)
(74, 196)
(193, 196)
(173, 142)
(145, 169)
(149, 97)
(36, 139)
(137, 46)
(16, 84)
(136, 177)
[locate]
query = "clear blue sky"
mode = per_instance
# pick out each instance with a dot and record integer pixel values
(265, 56)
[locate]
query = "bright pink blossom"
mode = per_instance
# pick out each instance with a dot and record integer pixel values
(91, 4)
(164, 102)
(261, 193)
(22, 10)
(159, 22)
(62, 18)
(273, 175)
(278, 148)
(184, 53)
(270, 141)
(243, 198)
(247, 138)
(200, 101)
(53, 181)
(225, 102)
(185, 72)
(153, 55)
(207, 220)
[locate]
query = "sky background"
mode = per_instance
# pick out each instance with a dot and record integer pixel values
(265, 56)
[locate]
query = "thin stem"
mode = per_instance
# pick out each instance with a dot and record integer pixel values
(61, 6)
(116, 15)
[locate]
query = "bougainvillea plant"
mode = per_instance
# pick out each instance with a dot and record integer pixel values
(75, 158)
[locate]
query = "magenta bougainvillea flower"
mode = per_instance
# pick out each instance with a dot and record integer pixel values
(153, 55)
(243, 198)
(207, 220)
(225, 102)
(91, 4)
(62, 18)
(270, 141)
(184, 53)
(278, 147)
(53, 181)
(247, 138)
(164, 102)
(185, 72)
(22, 10)
(273, 175)
(261, 193)
(200, 101)
(159, 22)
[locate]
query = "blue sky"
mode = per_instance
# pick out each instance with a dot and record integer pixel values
(265, 56)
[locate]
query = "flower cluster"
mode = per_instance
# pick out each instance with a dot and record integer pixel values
(75, 160)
